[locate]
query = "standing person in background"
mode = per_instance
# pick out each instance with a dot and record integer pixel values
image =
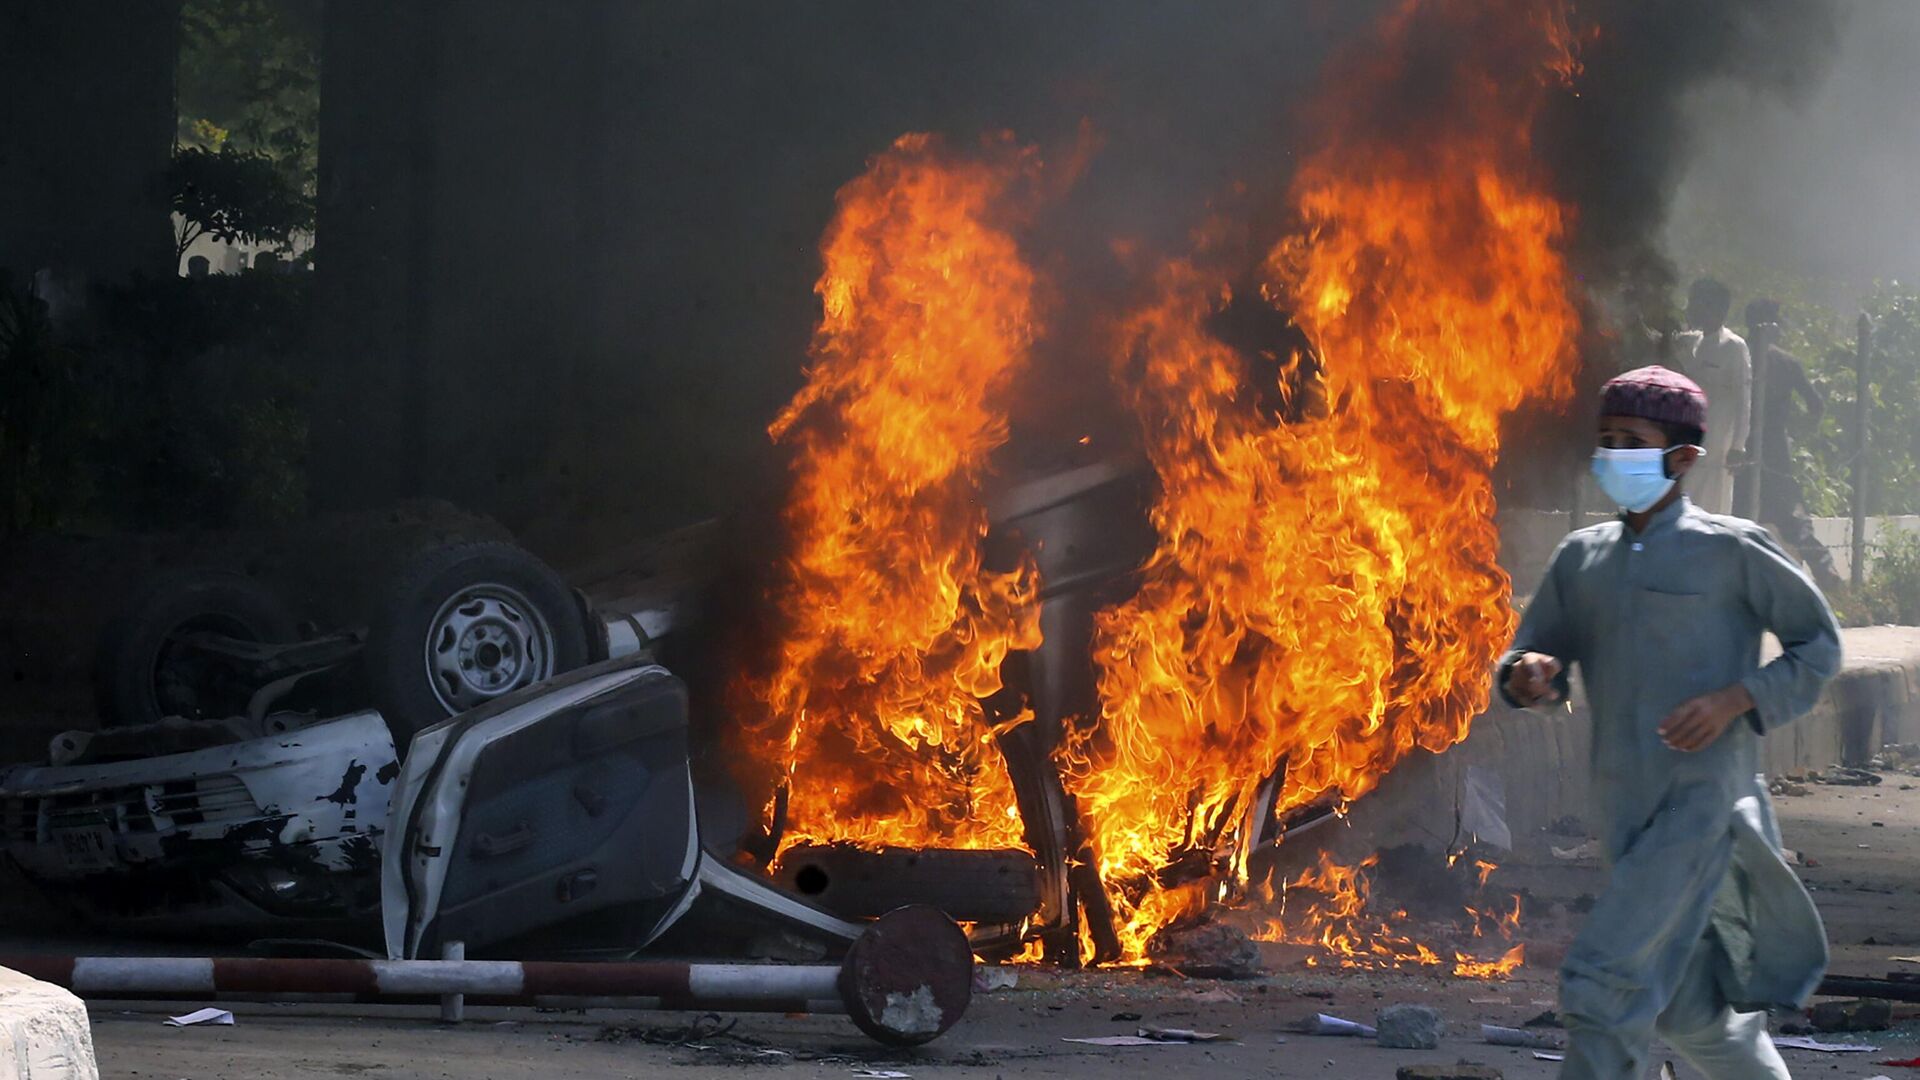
(1716, 358)
(1782, 502)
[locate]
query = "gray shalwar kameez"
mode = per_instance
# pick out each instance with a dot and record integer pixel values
(1702, 924)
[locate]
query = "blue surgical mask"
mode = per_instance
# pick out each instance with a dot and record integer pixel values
(1633, 479)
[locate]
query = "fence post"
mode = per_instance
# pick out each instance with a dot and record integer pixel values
(1751, 475)
(1861, 441)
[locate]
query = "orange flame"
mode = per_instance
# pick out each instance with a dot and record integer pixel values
(894, 630)
(1341, 922)
(1324, 596)
(1325, 593)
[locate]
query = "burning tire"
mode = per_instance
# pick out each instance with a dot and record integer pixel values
(146, 669)
(464, 625)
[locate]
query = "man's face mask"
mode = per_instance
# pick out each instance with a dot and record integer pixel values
(1634, 479)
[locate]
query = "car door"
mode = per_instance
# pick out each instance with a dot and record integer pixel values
(567, 806)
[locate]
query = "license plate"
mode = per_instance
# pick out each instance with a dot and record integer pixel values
(86, 847)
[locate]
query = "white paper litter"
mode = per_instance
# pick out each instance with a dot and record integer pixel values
(1548, 1055)
(1122, 1040)
(1322, 1024)
(201, 1016)
(882, 1074)
(1178, 1035)
(1801, 1042)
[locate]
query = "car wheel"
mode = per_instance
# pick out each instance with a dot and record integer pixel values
(462, 626)
(145, 671)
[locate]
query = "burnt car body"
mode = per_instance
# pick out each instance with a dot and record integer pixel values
(275, 833)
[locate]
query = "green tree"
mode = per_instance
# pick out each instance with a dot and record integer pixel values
(249, 77)
(234, 195)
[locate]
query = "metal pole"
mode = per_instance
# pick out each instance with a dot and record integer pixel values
(453, 1007)
(1861, 442)
(1760, 339)
(912, 955)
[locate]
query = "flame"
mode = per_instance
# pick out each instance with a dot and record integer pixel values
(894, 631)
(1325, 592)
(1338, 918)
(1325, 595)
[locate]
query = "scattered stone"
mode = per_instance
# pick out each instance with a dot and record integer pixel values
(1465, 1070)
(988, 978)
(1783, 786)
(1568, 825)
(1410, 1027)
(1866, 1014)
(1206, 950)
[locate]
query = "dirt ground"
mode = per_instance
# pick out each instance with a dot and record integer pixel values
(1861, 843)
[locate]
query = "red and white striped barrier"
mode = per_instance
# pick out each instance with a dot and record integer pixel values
(906, 980)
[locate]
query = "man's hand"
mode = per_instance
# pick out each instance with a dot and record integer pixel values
(1697, 723)
(1530, 679)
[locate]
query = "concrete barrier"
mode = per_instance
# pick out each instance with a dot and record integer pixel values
(44, 1034)
(1541, 758)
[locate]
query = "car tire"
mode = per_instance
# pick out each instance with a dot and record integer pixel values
(464, 625)
(141, 676)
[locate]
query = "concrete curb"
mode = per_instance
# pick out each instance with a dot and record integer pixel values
(44, 1033)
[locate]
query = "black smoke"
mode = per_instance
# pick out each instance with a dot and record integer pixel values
(1619, 144)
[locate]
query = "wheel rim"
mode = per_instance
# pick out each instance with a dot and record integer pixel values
(485, 641)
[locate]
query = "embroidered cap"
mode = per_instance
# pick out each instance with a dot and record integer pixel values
(1658, 394)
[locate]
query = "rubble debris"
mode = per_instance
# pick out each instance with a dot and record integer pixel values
(1534, 1039)
(1842, 776)
(990, 977)
(1782, 786)
(1801, 1042)
(1322, 1024)
(1568, 825)
(1206, 950)
(1465, 1070)
(1864, 1014)
(1878, 989)
(1548, 1055)
(1548, 1019)
(1410, 1027)
(1586, 849)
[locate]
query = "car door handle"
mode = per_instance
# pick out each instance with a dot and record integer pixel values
(487, 845)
